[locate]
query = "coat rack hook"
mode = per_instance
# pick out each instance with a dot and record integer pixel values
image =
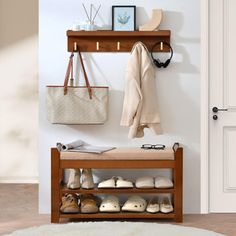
(75, 47)
(97, 46)
(161, 46)
(118, 46)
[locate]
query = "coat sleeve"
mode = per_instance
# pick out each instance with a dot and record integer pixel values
(132, 100)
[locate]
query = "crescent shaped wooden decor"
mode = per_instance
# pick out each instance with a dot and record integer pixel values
(154, 22)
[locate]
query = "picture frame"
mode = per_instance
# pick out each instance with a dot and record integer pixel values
(124, 18)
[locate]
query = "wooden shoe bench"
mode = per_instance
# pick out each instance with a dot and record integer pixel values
(119, 158)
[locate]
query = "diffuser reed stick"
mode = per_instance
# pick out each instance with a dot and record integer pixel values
(96, 13)
(91, 12)
(86, 12)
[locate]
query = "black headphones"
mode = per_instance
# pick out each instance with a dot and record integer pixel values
(157, 62)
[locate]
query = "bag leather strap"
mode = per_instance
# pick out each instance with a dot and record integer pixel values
(85, 75)
(68, 72)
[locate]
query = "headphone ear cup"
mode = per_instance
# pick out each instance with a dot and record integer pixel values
(157, 63)
(166, 63)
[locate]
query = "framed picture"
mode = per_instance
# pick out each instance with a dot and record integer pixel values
(123, 18)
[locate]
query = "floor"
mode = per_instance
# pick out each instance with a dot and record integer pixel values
(19, 204)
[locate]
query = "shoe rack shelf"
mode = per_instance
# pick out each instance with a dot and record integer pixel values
(120, 215)
(116, 159)
(115, 41)
(96, 190)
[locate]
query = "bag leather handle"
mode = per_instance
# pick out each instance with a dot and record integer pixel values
(68, 72)
(85, 75)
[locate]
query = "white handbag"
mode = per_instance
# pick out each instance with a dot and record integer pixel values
(76, 104)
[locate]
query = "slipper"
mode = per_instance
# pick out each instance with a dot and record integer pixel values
(116, 182)
(166, 206)
(135, 204)
(123, 183)
(69, 203)
(145, 182)
(89, 203)
(109, 183)
(74, 179)
(163, 182)
(110, 204)
(153, 206)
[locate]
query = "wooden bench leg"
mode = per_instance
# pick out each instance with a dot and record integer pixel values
(55, 185)
(178, 181)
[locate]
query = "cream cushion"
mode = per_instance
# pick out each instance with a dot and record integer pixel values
(122, 153)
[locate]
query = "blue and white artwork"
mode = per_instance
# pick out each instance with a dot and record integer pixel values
(124, 18)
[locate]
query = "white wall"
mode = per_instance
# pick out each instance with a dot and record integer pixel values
(178, 87)
(18, 91)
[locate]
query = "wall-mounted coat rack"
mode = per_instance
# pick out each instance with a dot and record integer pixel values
(115, 41)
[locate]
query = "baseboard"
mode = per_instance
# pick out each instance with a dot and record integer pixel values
(19, 179)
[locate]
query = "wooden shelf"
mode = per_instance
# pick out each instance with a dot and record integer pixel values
(120, 215)
(64, 189)
(108, 40)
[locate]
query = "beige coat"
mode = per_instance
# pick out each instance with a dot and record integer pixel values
(140, 100)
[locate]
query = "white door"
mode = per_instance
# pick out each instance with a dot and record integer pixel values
(223, 95)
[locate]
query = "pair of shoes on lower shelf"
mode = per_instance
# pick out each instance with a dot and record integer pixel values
(85, 203)
(133, 204)
(89, 203)
(74, 179)
(151, 182)
(116, 182)
(164, 205)
(136, 203)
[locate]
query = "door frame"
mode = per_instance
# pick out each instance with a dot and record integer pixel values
(205, 147)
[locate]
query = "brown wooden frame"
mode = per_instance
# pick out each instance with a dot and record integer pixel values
(58, 189)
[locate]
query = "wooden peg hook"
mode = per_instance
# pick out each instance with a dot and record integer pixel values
(75, 47)
(161, 46)
(118, 46)
(97, 46)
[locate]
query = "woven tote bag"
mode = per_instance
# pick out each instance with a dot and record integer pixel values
(76, 105)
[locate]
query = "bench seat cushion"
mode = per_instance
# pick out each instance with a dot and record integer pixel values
(122, 154)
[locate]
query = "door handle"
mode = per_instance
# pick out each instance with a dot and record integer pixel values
(216, 109)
